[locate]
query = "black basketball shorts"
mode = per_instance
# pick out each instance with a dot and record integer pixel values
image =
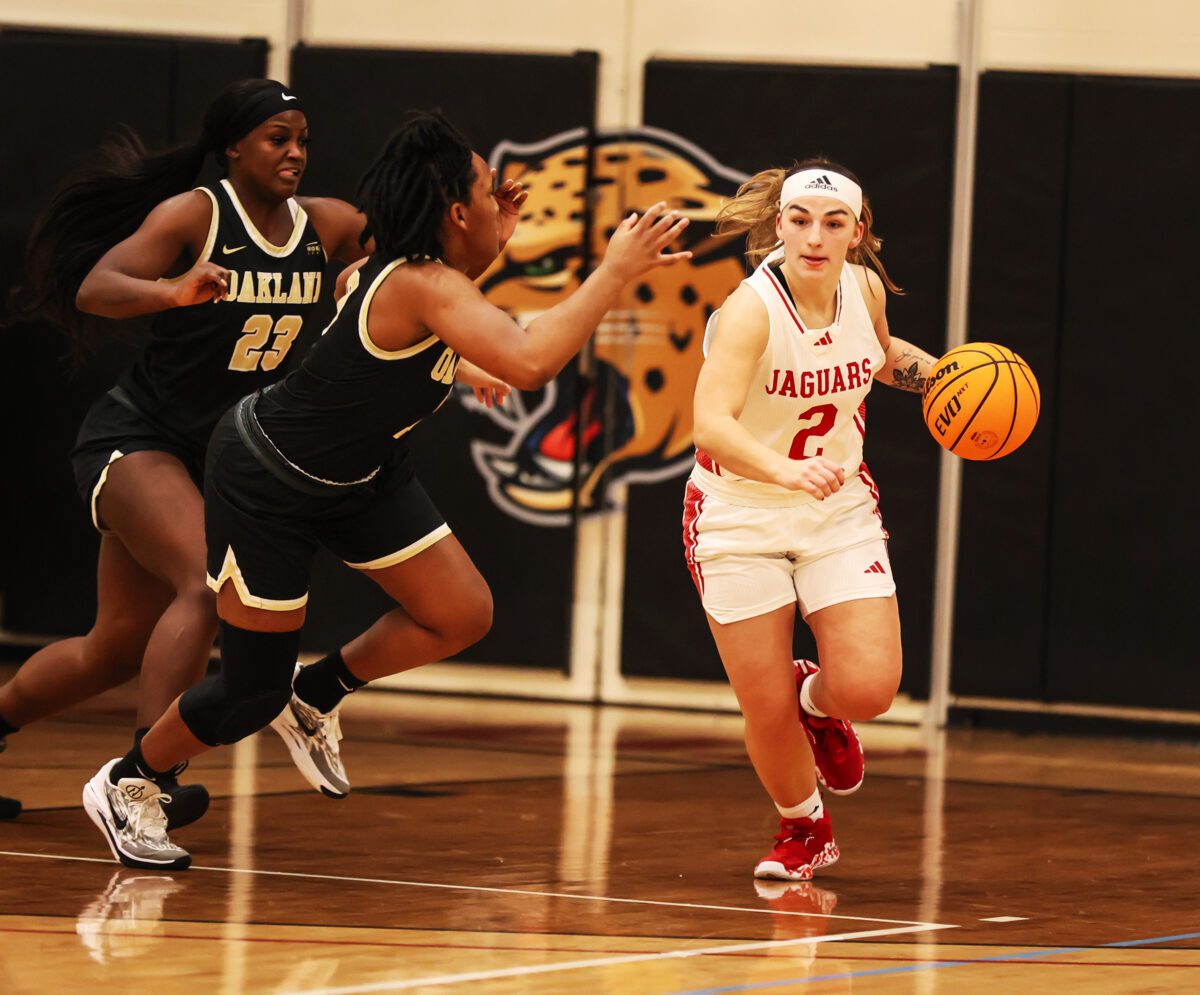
(262, 532)
(112, 429)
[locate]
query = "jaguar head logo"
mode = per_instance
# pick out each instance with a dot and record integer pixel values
(626, 413)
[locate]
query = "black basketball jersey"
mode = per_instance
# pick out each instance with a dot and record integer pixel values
(342, 414)
(201, 359)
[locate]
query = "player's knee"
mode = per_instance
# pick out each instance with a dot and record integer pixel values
(476, 617)
(768, 714)
(867, 704)
(218, 714)
(464, 618)
(249, 715)
(253, 686)
(200, 602)
(863, 691)
(113, 652)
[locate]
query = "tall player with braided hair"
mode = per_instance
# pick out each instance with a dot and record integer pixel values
(781, 513)
(232, 272)
(321, 459)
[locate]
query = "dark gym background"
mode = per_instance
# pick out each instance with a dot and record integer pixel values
(1075, 572)
(61, 95)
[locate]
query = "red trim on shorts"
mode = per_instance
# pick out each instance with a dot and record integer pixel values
(693, 506)
(706, 462)
(865, 476)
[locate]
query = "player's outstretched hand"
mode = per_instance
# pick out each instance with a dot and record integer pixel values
(817, 475)
(637, 244)
(511, 196)
(207, 282)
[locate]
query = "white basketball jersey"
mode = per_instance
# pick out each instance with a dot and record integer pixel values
(807, 397)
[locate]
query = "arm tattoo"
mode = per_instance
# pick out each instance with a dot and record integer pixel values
(909, 379)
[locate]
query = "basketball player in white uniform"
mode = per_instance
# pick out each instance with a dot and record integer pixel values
(781, 512)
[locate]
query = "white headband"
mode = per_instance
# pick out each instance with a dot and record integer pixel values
(822, 183)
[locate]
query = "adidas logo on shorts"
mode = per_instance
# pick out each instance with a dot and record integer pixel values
(875, 568)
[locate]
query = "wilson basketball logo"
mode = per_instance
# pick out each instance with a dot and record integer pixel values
(938, 373)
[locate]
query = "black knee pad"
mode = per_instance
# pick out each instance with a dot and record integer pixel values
(252, 687)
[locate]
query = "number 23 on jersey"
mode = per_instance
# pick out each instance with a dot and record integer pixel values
(263, 342)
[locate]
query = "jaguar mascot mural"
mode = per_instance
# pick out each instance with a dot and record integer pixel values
(624, 412)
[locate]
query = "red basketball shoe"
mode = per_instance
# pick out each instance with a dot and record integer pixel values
(801, 846)
(835, 745)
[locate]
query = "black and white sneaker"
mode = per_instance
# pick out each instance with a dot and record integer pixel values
(130, 815)
(312, 739)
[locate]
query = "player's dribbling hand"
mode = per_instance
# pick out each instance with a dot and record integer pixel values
(817, 475)
(637, 244)
(207, 282)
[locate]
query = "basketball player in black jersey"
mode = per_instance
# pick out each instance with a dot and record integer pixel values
(232, 272)
(321, 459)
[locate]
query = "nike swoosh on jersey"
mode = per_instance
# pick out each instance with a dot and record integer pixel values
(229, 252)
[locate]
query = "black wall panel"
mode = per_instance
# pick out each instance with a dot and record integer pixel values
(60, 95)
(1124, 589)
(895, 129)
(1018, 244)
(1074, 570)
(354, 98)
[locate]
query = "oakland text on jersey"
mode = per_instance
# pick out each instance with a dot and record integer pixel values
(257, 287)
(816, 383)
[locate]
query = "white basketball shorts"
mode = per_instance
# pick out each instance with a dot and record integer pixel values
(749, 561)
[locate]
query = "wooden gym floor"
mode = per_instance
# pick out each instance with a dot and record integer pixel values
(504, 847)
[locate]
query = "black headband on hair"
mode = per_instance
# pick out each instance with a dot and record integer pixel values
(257, 109)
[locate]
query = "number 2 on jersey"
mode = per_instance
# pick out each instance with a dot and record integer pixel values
(827, 415)
(252, 351)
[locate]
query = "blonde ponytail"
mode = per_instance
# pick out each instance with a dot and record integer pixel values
(753, 211)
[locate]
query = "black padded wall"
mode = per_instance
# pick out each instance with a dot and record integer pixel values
(354, 99)
(1123, 584)
(1017, 300)
(61, 94)
(1075, 579)
(895, 129)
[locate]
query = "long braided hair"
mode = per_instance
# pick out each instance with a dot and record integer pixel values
(423, 169)
(754, 209)
(106, 201)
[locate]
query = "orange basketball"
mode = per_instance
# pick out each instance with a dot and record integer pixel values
(981, 401)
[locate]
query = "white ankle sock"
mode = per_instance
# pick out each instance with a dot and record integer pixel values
(806, 701)
(810, 808)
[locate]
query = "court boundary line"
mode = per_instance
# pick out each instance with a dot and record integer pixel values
(513, 972)
(481, 948)
(932, 965)
(905, 925)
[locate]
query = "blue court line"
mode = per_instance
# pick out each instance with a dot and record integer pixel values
(933, 965)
